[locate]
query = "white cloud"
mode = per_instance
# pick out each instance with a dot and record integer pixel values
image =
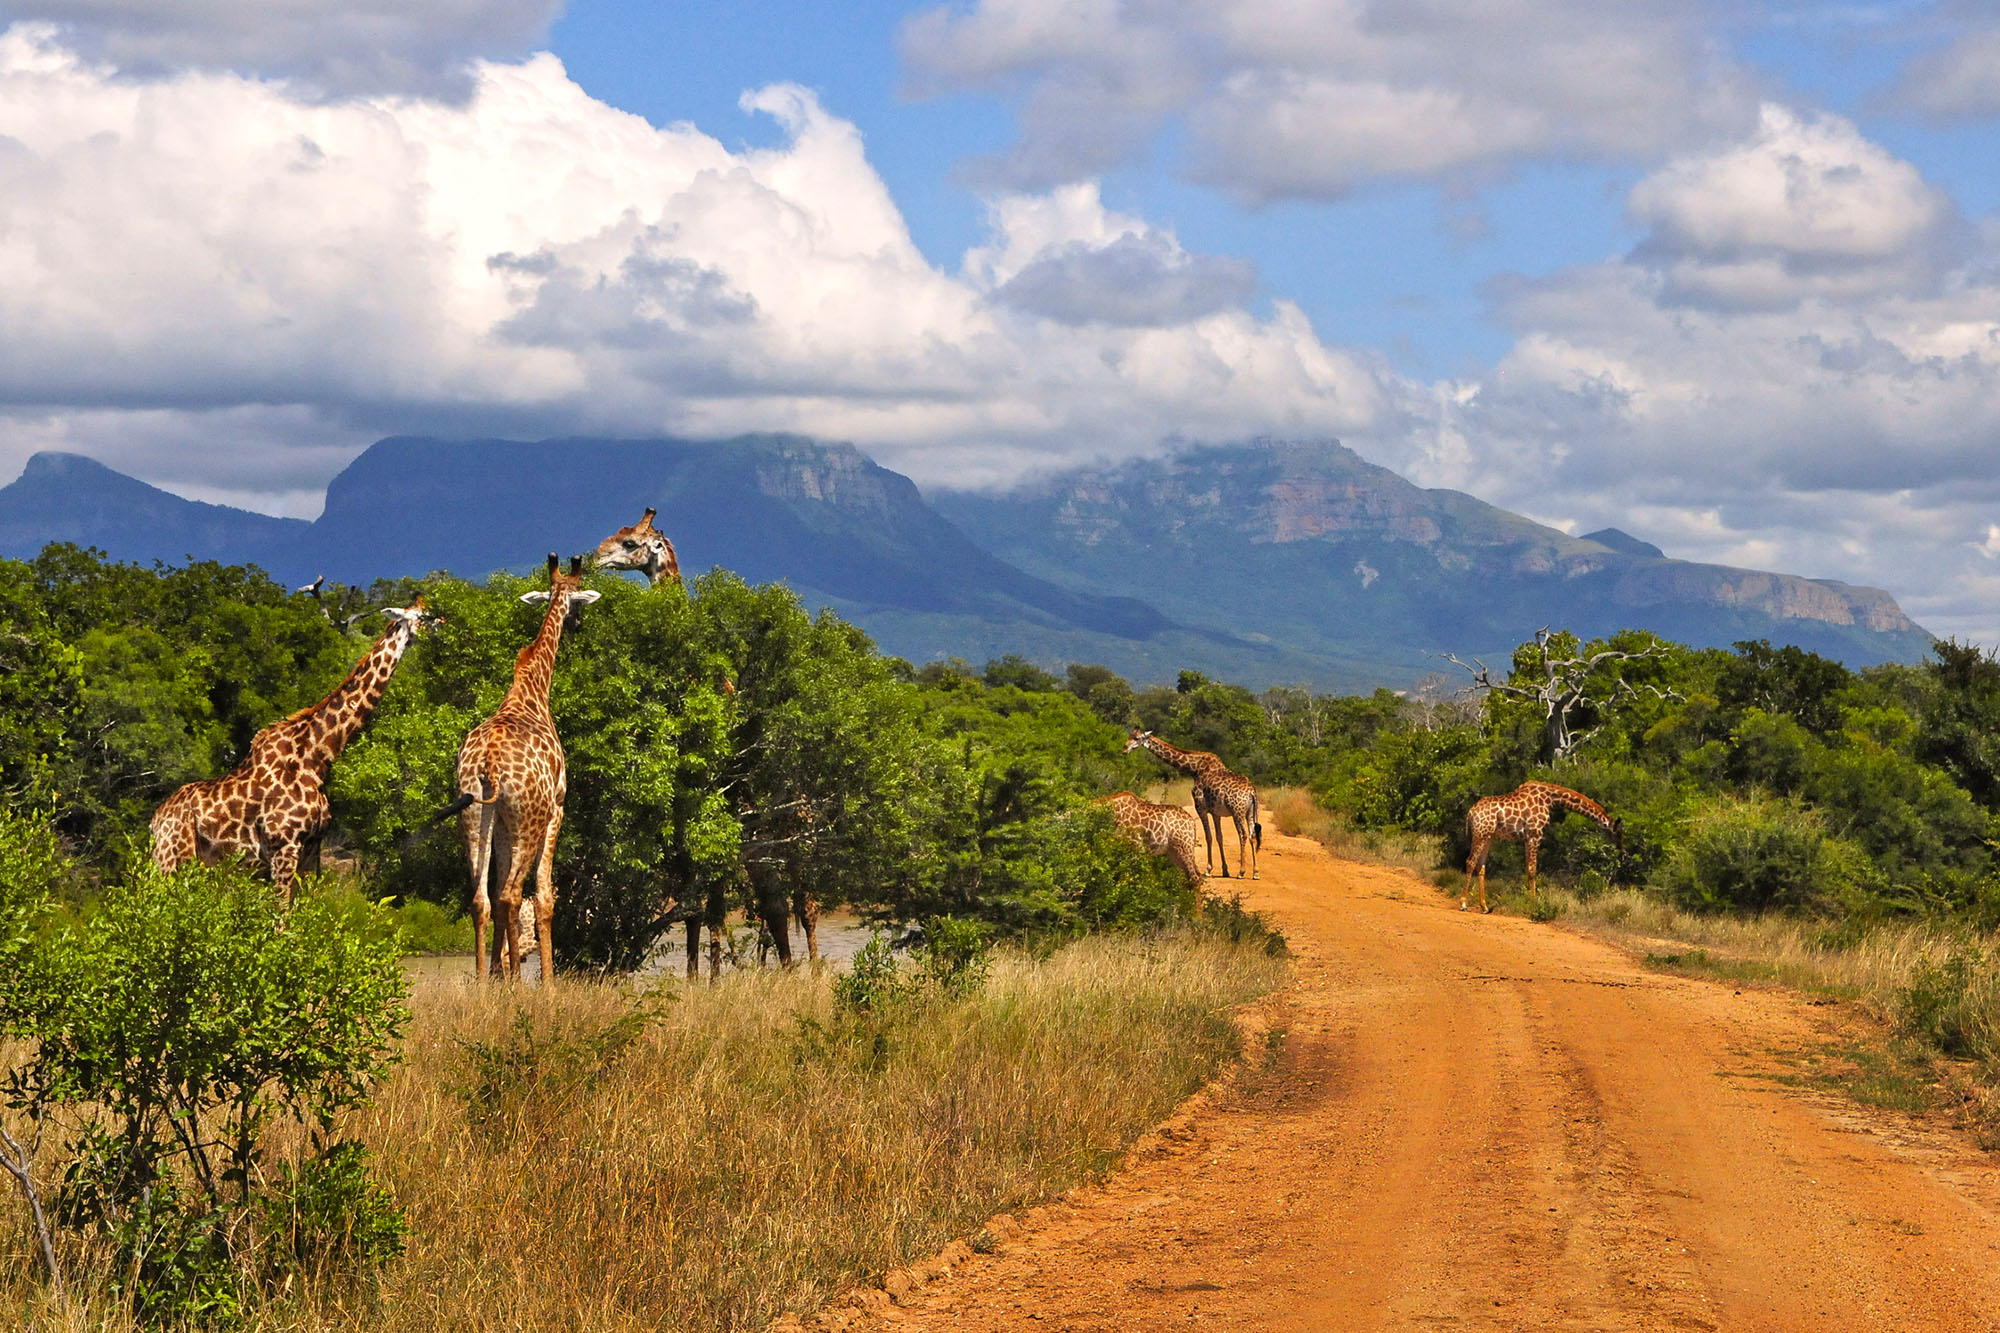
(1310, 98)
(533, 261)
(325, 47)
(1806, 207)
(1840, 417)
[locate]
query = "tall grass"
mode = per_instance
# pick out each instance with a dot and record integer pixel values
(1295, 812)
(709, 1158)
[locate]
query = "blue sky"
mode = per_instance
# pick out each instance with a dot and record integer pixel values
(1726, 276)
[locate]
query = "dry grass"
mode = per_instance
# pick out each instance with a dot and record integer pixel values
(1294, 811)
(743, 1150)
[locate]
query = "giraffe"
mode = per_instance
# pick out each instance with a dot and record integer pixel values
(1217, 790)
(642, 547)
(271, 806)
(1163, 830)
(1522, 815)
(511, 784)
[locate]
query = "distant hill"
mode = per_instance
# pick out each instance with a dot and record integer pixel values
(1259, 563)
(70, 498)
(1307, 548)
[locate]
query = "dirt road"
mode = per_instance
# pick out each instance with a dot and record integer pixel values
(1483, 1123)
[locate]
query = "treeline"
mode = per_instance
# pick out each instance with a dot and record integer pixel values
(1747, 778)
(724, 748)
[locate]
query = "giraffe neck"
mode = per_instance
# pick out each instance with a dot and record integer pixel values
(536, 665)
(1184, 760)
(1583, 805)
(339, 717)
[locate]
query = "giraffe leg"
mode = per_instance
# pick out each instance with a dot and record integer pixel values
(807, 908)
(1534, 845)
(505, 878)
(545, 901)
(476, 824)
(777, 924)
(1216, 842)
(285, 867)
(1474, 862)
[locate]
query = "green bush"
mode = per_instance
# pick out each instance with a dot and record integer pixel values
(1762, 853)
(170, 1028)
(1949, 1002)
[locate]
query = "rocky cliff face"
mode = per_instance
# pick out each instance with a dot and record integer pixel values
(1307, 540)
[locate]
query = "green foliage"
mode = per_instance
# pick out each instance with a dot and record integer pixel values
(548, 1061)
(1230, 919)
(1420, 780)
(325, 1217)
(1949, 1000)
(172, 1025)
(873, 981)
(954, 954)
(1759, 853)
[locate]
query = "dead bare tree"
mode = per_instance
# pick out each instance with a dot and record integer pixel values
(1561, 687)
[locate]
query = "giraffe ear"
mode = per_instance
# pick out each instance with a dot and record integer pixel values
(539, 595)
(584, 598)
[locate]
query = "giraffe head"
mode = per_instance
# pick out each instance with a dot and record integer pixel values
(642, 547)
(568, 586)
(1137, 740)
(416, 615)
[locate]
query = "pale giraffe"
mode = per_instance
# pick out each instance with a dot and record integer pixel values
(511, 785)
(1522, 815)
(642, 547)
(1217, 789)
(1164, 830)
(273, 804)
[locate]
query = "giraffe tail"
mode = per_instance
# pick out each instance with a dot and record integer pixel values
(463, 800)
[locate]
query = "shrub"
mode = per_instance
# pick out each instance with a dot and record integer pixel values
(1750, 855)
(1949, 1002)
(172, 1027)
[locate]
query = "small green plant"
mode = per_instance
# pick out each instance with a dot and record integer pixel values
(1230, 919)
(1545, 907)
(541, 1067)
(873, 982)
(1941, 1005)
(955, 954)
(325, 1216)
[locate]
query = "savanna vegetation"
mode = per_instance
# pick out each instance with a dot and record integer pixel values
(220, 1114)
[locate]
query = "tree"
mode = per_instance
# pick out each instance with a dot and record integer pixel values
(1564, 688)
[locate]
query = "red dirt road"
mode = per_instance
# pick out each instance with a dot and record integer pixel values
(1483, 1123)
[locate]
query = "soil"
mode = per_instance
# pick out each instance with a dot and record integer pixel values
(1460, 1122)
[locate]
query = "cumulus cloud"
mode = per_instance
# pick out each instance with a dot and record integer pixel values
(1805, 207)
(1836, 416)
(324, 47)
(531, 260)
(1310, 98)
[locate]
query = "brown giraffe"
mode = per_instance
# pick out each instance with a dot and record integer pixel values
(1164, 830)
(642, 547)
(271, 806)
(511, 785)
(1522, 815)
(1217, 790)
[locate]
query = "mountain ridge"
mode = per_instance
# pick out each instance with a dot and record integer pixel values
(1265, 562)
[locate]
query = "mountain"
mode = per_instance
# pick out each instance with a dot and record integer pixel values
(70, 498)
(1308, 546)
(1260, 563)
